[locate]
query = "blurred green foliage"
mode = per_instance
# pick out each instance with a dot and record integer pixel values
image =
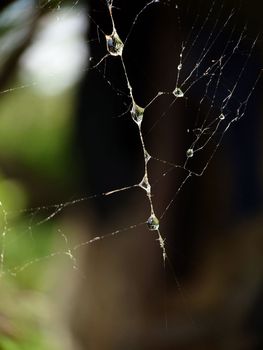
(35, 130)
(35, 136)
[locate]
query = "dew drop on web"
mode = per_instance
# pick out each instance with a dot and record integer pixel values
(114, 44)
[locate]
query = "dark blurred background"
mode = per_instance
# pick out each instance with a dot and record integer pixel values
(65, 134)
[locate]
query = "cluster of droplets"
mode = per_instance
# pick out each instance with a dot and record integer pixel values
(190, 151)
(137, 116)
(153, 223)
(115, 47)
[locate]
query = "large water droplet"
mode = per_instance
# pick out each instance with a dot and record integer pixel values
(222, 116)
(153, 223)
(137, 113)
(114, 44)
(189, 153)
(178, 92)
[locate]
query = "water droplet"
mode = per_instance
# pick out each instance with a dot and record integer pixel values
(145, 185)
(222, 116)
(137, 113)
(153, 223)
(189, 153)
(179, 67)
(114, 44)
(178, 92)
(147, 156)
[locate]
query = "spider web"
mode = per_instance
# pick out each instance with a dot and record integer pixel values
(203, 91)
